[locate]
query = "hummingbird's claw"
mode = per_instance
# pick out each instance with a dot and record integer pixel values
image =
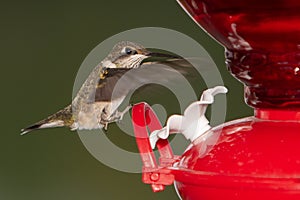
(105, 126)
(121, 114)
(116, 117)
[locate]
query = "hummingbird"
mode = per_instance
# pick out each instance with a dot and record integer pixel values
(94, 106)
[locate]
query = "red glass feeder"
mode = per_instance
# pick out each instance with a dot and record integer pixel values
(252, 158)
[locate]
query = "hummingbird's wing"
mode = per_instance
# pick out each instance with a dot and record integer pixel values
(186, 66)
(104, 89)
(114, 83)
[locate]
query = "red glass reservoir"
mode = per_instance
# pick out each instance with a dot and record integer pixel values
(251, 158)
(262, 41)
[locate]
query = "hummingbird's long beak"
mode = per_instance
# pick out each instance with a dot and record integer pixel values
(162, 55)
(161, 58)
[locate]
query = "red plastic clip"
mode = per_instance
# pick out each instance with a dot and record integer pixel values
(144, 118)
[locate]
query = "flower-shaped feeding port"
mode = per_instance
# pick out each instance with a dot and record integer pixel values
(193, 123)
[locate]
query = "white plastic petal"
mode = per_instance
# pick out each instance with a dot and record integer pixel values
(193, 122)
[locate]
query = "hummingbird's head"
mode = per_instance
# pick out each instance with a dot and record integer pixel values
(127, 54)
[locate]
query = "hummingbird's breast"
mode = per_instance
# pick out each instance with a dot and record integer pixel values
(91, 115)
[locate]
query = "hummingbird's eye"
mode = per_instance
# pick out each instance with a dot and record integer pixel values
(129, 51)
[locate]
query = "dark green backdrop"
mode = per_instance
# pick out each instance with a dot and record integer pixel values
(42, 46)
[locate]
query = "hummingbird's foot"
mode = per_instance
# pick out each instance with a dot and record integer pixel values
(115, 117)
(120, 115)
(105, 126)
(103, 121)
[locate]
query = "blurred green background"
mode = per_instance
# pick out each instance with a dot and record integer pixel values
(42, 45)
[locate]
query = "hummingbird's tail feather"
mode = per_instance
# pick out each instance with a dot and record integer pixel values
(41, 125)
(58, 119)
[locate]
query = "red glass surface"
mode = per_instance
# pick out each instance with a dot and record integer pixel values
(246, 159)
(262, 41)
